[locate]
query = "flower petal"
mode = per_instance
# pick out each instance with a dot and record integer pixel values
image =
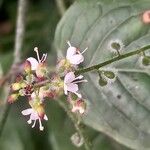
(34, 63)
(45, 117)
(27, 111)
(76, 59)
(69, 77)
(70, 52)
(34, 116)
(72, 87)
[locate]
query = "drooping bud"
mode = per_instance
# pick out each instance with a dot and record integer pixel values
(27, 67)
(79, 106)
(102, 82)
(109, 74)
(12, 98)
(77, 140)
(116, 46)
(146, 60)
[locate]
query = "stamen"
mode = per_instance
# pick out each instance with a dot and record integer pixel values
(37, 53)
(29, 121)
(34, 124)
(84, 50)
(80, 81)
(69, 43)
(41, 127)
(45, 57)
(79, 77)
(42, 57)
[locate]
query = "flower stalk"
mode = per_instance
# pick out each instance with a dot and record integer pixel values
(119, 57)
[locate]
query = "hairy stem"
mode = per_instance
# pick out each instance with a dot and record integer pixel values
(77, 125)
(20, 28)
(119, 57)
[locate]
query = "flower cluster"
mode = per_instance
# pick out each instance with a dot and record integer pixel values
(37, 83)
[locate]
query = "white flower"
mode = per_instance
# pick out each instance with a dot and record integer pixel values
(34, 117)
(74, 56)
(34, 62)
(70, 83)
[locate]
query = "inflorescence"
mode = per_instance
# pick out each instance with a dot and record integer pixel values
(36, 83)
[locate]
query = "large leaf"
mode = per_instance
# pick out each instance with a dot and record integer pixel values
(122, 109)
(62, 128)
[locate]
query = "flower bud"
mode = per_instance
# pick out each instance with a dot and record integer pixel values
(77, 140)
(41, 70)
(78, 106)
(22, 92)
(146, 60)
(109, 74)
(12, 98)
(15, 86)
(102, 82)
(27, 67)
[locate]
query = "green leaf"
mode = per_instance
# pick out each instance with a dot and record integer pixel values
(122, 109)
(61, 129)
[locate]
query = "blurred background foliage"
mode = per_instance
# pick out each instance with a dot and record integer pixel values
(42, 18)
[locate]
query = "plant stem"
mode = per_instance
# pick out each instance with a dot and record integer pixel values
(119, 57)
(20, 28)
(77, 125)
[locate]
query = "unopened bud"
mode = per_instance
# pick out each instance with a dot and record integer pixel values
(109, 74)
(146, 60)
(102, 82)
(12, 98)
(27, 66)
(79, 106)
(77, 140)
(16, 86)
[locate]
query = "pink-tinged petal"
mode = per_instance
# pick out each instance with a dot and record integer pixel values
(27, 111)
(70, 52)
(34, 116)
(45, 117)
(34, 63)
(76, 59)
(72, 87)
(69, 77)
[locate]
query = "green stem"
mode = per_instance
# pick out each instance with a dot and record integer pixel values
(77, 125)
(120, 57)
